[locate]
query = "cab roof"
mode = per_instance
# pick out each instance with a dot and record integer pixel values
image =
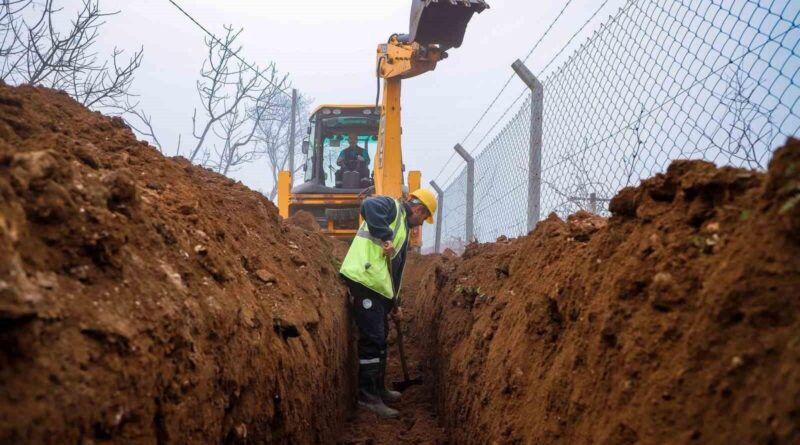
(317, 110)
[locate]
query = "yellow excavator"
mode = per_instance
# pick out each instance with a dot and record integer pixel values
(345, 142)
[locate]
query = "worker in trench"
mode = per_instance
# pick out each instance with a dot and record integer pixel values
(373, 271)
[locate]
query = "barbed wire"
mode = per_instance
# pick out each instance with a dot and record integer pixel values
(662, 80)
(629, 125)
(502, 116)
(505, 85)
(577, 32)
(511, 77)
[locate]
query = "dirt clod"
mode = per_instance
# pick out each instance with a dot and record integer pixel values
(305, 220)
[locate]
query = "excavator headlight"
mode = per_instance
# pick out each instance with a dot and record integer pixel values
(326, 111)
(367, 111)
(337, 112)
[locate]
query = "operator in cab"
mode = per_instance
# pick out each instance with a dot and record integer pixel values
(354, 158)
(373, 270)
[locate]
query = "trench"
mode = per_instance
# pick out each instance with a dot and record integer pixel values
(146, 300)
(418, 422)
(673, 321)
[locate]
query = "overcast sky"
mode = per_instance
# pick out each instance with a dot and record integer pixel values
(327, 47)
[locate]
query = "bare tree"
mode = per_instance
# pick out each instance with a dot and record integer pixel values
(236, 97)
(748, 127)
(36, 51)
(273, 136)
(583, 191)
(9, 46)
(238, 129)
(630, 161)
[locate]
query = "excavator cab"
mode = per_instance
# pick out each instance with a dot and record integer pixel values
(442, 22)
(341, 145)
(337, 174)
(355, 150)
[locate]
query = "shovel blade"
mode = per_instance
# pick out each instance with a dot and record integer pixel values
(442, 22)
(402, 385)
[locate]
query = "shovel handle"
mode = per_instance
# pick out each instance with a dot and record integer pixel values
(397, 326)
(402, 350)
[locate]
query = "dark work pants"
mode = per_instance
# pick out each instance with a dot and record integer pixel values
(370, 311)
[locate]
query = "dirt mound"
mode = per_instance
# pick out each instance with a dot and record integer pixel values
(143, 299)
(305, 220)
(678, 321)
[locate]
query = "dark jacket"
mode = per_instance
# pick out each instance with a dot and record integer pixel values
(351, 153)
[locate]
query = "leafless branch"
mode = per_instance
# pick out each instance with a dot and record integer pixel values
(235, 98)
(273, 136)
(35, 50)
(748, 127)
(138, 121)
(638, 130)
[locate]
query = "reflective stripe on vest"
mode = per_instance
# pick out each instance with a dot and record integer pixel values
(365, 262)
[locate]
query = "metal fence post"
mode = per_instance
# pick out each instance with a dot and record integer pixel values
(292, 132)
(535, 150)
(470, 191)
(439, 208)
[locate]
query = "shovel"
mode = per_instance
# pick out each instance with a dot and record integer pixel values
(401, 385)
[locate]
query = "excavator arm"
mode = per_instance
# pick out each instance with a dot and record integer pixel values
(436, 26)
(398, 59)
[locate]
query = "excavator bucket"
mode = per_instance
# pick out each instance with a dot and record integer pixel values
(442, 22)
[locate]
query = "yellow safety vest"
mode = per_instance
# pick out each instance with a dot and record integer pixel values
(365, 262)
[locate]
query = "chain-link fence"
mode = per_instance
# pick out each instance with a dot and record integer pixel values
(662, 80)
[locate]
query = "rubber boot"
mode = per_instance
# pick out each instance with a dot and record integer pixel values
(388, 395)
(369, 391)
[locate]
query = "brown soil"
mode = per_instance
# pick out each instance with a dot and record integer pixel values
(677, 321)
(144, 300)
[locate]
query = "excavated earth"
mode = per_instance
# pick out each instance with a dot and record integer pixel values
(677, 320)
(146, 300)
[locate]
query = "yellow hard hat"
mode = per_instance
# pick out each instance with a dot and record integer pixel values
(427, 198)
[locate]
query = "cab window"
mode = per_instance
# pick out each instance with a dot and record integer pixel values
(332, 139)
(335, 144)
